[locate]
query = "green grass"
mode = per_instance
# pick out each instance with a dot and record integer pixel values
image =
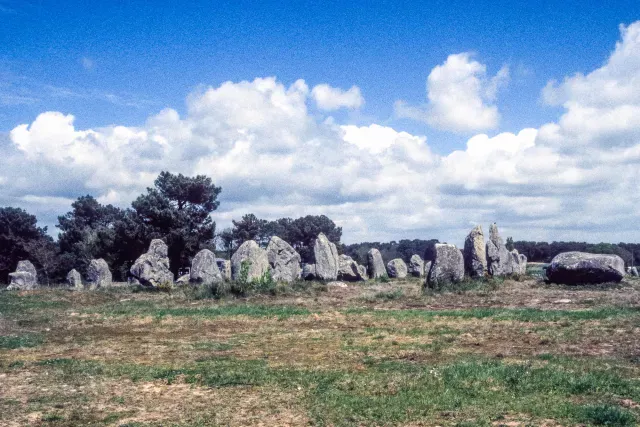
(518, 314)
(149, 308)
(391, 392)
(12, 304)
(18, 341)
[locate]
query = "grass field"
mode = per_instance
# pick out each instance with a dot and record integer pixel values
(498, 353)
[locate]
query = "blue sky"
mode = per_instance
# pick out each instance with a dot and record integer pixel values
(120, 63)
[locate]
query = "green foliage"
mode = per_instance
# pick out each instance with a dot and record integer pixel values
(21, 239)
(403, 249)
(509, 244)
(390, 295)
(605, 415)
(299, 233)
(19, 341)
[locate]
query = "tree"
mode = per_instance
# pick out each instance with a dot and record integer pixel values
(88, 231)
(178, 210)
(226, 240)
(249, 228)
(19, 235)
(509, 244)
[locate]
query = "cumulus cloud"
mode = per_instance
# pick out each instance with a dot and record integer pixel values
(575, 178)
(460, 96)
(329, 98)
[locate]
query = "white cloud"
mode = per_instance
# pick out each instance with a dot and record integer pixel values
(573, 179)
(330, 98)
(460, 96)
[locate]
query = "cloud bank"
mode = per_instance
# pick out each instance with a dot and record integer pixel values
(575, 178)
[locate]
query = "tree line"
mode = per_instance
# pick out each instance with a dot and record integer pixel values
(177, 209)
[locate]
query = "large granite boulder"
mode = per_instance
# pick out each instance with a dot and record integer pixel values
(152, 268)
(283, 260)
(254, 257)
(204, 268)
(375, 265)
(308, 272)
(475, 254)
(416, 266)
(498, 256)
(574, 268)
(224, 265)
(397, 268)
(74, 279)
(25, 277)
(326, 258)
(447, 266)
(98, 274)
(349, 270)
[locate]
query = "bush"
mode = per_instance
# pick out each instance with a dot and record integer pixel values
(606, 415)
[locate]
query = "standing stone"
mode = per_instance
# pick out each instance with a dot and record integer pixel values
(98, 274)
(518, 263)
(447, 266)
(252, 255)
(308, 271)
(475, 255)
(152, 268)
(376, 266)
(74, 279)
(416, 266)
(349, 270)
(283, 260)
(224, 265)
(326, 257)
(204, 268)
(633, 271)
(396, 268)
(498, 256)
(427, 268)
(574, 268)
(362, 271)
(25, 277)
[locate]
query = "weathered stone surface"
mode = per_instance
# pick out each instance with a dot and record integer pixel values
(308, 271)
(362, 271)
(25, 276)
(254, 256)
(98, 274)
(498, 256)
(518, 263)
(284, 261)
(416, 266)
(574, 268)
(152, 268)
(204, 268)
(397, 268)
(375, 265)
(224, 265)
(427, 268)
(632, 271)
(326, 258)
(475, 254)
(183, 280)
(349, 270)
(447, 266)
(74, 279)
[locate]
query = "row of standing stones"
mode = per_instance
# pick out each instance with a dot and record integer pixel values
(478, 259)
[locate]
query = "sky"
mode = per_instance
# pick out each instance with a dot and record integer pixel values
(395, 119)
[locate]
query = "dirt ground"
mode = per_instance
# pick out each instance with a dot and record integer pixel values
(323, 356)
